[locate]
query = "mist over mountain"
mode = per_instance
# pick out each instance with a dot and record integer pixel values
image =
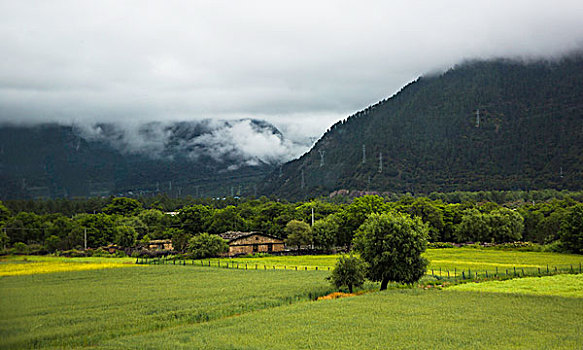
(200, 158)
(483, 125)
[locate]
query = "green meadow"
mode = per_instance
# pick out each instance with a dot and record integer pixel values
(174, 306)
(448, 259)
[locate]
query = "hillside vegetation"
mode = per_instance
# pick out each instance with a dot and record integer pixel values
(428, 138)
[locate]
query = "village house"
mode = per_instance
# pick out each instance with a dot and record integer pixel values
(160, 244)
(251, 242)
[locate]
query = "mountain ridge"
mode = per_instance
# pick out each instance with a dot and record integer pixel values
(427, 137)
(198, 158)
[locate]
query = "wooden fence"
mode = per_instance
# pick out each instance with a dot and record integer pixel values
(435, 272)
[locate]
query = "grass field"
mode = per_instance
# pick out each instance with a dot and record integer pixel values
(450, 259)
(82, 308)
(394, 319)
(167, 306)
(559, 285)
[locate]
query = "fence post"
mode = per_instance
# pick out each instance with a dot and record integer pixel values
(486, 273)
(306, 268)
(255, 266)
(469, 273)
(514, 271)
(523, 272)
(547, 269)
(571, 268)
(447, 273)
(463, 275)
(296, 268)
(432, 273)
(539, 270)
(455, 271)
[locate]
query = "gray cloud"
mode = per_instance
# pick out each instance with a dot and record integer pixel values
(238, 142)
(300, 65)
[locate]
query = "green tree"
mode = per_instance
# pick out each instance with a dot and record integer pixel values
(123, 206)
(125, 236)
(356, 213)
(474, 227)
(155, 222)
(325, 231)
(179, 238)
(4, 213)
(99, 227)
(571, 233)
(350, 271)
(392, 244)
(298, 233)
(53, 243)
(195, 218)
(227, 219)
(506, 225)
(206, 245)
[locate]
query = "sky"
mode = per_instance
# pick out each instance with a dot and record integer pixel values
(301, 65)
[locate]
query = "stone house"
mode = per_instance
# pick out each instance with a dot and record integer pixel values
(160, 244)
(251, 242)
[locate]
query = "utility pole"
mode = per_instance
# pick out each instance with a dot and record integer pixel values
(312, 216)
(363, 153)
(85, 238)
(303, 180)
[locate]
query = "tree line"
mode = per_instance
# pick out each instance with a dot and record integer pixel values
(127, 221)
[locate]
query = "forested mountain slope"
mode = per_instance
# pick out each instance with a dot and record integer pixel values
(184, 158)
(429, 137)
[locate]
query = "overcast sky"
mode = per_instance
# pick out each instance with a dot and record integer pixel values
(301, 65)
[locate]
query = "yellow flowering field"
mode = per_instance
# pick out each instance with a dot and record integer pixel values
(21, 267)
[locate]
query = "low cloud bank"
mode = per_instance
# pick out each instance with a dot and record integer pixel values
(234, 142)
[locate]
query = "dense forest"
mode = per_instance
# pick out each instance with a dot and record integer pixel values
(47, 226)
(485, 125)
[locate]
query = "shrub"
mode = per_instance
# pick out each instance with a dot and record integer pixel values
(20, 248)
(349, 271)
(440, 245)
(206, 246)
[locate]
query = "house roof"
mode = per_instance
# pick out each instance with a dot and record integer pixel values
(234, 235)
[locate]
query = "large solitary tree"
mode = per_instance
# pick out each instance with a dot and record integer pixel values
(392, 244)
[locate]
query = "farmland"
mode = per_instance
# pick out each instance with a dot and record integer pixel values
(447, 259)
(171, 306)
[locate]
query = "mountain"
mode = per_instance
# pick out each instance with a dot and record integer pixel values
(482, 125)
(198, 158)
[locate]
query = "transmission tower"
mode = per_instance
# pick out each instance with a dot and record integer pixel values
(477, 118)
(380, 162)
